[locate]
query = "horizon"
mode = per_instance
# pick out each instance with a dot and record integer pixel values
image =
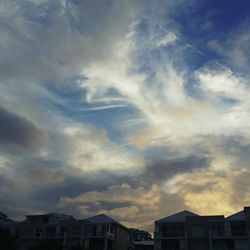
(132, 108)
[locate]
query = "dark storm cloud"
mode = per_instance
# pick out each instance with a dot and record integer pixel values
(17, 130)
(159, 170)
(72, 186)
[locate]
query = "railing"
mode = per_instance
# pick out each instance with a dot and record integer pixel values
(173, 248)
(159, 235)
(219, 248)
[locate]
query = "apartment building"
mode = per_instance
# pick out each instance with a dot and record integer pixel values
(188, 231)
(140, 240)
(144, 245)
(170, 232)
(139, 235)
(95, 233)
(105, 233)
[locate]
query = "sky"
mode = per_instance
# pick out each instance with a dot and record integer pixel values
(133, 108)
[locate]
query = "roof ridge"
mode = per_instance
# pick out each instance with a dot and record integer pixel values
(104, 215)
(232, 215)
(176, 214)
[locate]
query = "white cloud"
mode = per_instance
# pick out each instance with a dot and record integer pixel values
(169, 38)
(223, 83)
(91, 150)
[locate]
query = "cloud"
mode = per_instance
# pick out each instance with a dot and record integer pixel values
(240, 192)
(123, 213)
(125, 197)
(200, 191)
(223, 82)
(42, 172)
(234, 49)
(18, 131)
(158, 171)
(121, 193)
(177, 133)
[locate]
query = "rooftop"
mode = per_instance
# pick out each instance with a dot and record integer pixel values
(51, 215)
(237, 217)
(102, 218)
(178, 217)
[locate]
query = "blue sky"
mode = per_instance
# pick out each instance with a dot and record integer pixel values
(136, 109)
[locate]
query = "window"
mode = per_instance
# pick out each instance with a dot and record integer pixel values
(103, 229)
(173, 230)
(239, 229)
(99, 230)
(86, 230)
(62, 231)
(51, 231)
(76, 230)
(217, 229)
(198, 230)
(45, 219)
(16, 231)
(111, 229)
(241, 244)
(94, 231)
(38, 232)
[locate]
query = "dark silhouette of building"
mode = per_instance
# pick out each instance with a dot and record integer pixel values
(95, 233)
(189, 231)
(140, 239)
(144, 245)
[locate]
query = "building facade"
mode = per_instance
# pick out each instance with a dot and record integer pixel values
(140, 240)
(189, 231)
(139, 235)
(144, 245)
(95, 233)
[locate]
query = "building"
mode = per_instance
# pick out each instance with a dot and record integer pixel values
(238, 226)
(140, 240)
(95, 233)
(52, 226)
(170, 232)
(105, 233)
(139, 235)
(144, 245)
(188, 231)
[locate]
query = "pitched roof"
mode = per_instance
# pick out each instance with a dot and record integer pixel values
(238, 216)
(178, 217)
(102, 218)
